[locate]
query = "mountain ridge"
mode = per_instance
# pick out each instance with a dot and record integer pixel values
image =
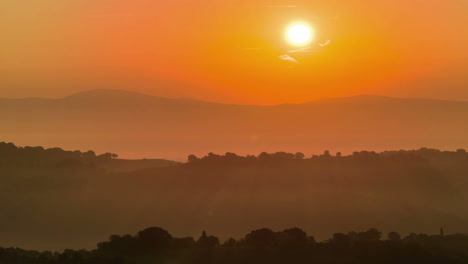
(122, 93)
(136, 125)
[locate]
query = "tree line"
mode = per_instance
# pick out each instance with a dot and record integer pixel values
(12, 155)
(420, 155)
(293, 245)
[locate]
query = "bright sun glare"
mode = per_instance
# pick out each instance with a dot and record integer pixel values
(299, 34)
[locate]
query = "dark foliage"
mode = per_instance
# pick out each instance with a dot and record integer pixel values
(283, 158)
(51, 204)
(156, 245)
(32, 157)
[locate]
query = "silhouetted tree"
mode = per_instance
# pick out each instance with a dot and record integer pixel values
(231, 242)
(207, 241)
(264, 156)
(182, 243)
(231, 156)
(89, 156)
(260, 238)
(299, 156)
(370, 235)
(281, 156)
(461, 151)
(155, 245)
(192, 158)
(394, 236)
(340, 241)
(293, 237)
(153, 239)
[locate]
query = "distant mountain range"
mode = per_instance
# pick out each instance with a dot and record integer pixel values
(136, 125)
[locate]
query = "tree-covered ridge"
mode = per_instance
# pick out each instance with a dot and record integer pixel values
(50, 207)
(422, 154)
(12, 155)
(293, 245)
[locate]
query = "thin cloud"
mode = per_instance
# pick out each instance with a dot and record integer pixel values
(113, 15)
(301, 50)
(283, 6)
(286, 57)
(309, 49)
(325, 44)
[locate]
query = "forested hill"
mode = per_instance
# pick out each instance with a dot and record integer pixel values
(39, 157)
(138, 125)
(284, 158)
(291, 245)
(52, 206)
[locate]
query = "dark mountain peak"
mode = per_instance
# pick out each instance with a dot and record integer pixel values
(117, 96)
(109, 94)
(370, 99)
(361, 98)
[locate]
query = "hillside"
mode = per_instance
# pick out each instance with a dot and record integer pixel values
(69, 206)
(137, 125)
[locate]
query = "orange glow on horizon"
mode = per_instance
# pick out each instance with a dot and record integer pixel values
(230, 52)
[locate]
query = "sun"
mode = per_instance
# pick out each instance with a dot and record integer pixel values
(299, 34)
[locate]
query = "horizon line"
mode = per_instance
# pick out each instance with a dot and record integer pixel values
(222, 103)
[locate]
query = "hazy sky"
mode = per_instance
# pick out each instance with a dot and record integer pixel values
(229, 51)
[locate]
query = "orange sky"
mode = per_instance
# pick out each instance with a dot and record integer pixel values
(227, 51)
